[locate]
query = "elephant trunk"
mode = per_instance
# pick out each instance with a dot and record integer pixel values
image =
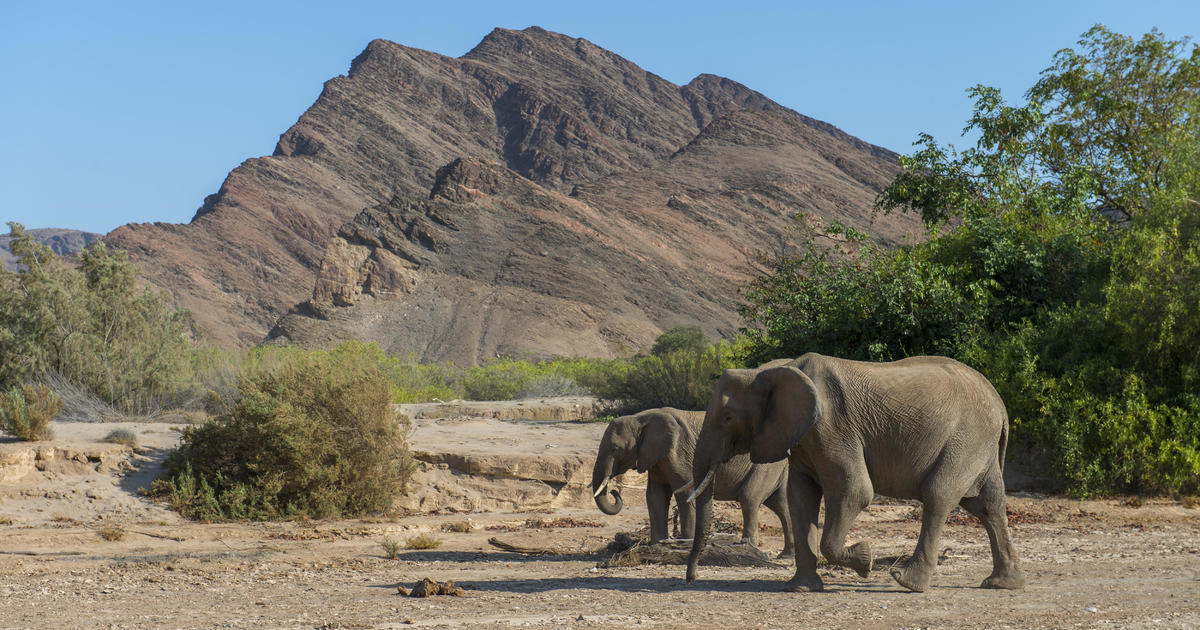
(602, 486)
(704, 512)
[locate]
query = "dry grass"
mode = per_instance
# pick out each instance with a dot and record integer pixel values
(122, 436)
(458, 527)
(423, 541)
(4, 520)
(65, 521)
(111, 534)
(564, 521)
(1190, 502)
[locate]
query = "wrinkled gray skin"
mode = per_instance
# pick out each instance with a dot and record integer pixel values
(926, 428)
(660, 443)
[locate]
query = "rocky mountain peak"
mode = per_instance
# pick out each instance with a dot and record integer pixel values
(470, 244)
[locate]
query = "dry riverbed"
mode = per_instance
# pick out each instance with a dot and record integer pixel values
(1089, 564)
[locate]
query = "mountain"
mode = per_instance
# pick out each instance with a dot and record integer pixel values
(538, 195)
(62, 241)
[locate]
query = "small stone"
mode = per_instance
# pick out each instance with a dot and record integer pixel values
(1090, 609)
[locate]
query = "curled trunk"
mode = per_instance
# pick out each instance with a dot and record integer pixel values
(601, 474)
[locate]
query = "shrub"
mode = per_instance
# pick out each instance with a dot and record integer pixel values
(93, 326)
(423, 541)
(680, 338)
(26, 411)
(315, 437)
(121, 436)
(683, 379)
(549, 385)
(110, 533)
(391, 548)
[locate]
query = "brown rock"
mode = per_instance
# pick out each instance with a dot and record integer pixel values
(425, 588)
(672, 190)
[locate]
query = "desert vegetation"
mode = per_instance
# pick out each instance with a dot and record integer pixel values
(1062, 261)
(314, 436)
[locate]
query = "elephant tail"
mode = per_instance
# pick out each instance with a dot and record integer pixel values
(1003, 444)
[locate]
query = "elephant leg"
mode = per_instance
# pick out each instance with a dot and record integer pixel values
(687, 516)
(989, 507)
(778, 504)
(804, 505)
(749, 521)
(658, 502)
(842, 506)
(916, 574)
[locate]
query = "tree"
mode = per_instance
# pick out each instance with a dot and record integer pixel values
(91, 325)
(1063, 262)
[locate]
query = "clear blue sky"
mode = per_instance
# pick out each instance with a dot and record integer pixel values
(116, 112)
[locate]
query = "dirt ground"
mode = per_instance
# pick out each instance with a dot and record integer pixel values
(1089, 564)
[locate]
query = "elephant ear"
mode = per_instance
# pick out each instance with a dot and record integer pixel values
(790, 407)
(658, 438)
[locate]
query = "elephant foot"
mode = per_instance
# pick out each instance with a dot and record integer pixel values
(1010, 580)
(691, 574)
(785, 554)
(913, 577)
(860, 558)
(805, 584)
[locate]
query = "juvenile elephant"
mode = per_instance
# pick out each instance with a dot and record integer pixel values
(927, 428)
(660, 442)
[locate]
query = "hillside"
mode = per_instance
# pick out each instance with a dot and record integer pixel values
(627, 172)
(61, 241)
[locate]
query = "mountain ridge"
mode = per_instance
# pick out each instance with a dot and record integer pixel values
(558, 111)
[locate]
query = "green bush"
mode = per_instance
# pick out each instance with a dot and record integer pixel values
(683, 379)
(93, 327)
(26, 411)
(1062, 262)
(313, 436)
(680, 338)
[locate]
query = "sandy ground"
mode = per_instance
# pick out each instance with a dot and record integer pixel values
(1094, 564)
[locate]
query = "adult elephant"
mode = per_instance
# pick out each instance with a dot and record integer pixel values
(926, 428)
(660, 442)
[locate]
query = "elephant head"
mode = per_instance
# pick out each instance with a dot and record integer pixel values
(763, 412)
(639, 441)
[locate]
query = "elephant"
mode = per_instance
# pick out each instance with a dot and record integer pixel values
(926, 428)
(660, 442)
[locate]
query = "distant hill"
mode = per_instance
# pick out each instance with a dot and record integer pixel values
(62, 241)
(538, 195)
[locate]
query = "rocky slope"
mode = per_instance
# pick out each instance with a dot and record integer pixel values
(61, 241)
(563, 173)
(493, 264)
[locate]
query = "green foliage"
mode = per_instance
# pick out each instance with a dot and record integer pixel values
(314, 435)
(26, 411)
(680, 338)
(1063, 262)
(92, 326)
(683, 379)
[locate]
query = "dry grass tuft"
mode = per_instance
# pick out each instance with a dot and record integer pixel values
(111, 534)
(1190, 502)
(458, 527)
(122, 436)
(423, 541)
